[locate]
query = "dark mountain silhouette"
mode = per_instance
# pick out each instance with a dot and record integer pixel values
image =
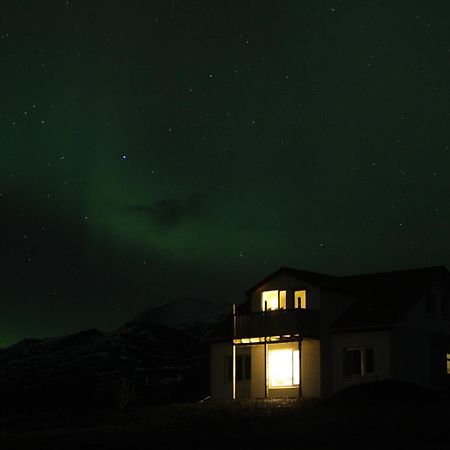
(160, 356)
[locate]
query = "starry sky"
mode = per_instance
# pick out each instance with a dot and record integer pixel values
(153, 150)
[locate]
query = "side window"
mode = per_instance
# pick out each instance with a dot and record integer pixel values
(358, 361)
(243, 368)
(448, 363)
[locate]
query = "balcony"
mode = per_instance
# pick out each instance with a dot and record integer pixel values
(304, 322)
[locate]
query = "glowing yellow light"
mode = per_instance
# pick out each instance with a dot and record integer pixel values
(270, 300)
(296, 367)
(282, 299)
(300, 299)
(284, 368)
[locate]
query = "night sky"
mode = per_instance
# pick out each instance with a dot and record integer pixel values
(158, 150)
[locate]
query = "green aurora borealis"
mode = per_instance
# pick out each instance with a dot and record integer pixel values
(155, 150)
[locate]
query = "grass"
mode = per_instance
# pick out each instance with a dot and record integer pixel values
(307, 424)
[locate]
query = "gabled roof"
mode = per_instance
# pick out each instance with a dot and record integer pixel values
(303, 275)
(384, 297)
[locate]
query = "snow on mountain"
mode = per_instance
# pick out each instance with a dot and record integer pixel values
(161, 355)
(192, 315)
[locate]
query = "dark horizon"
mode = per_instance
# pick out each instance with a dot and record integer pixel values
(154, 151)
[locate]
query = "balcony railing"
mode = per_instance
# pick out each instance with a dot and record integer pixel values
(280, 322)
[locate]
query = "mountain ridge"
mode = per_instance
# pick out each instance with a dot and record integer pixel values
(159, 356)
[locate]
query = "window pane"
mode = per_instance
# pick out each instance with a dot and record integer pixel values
(282, 299)
(448, 363)
(269, 300)
(300, 299)
(352, 361)
(280, 368)
(369, 360)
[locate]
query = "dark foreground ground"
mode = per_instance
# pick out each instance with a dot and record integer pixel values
(240, 425)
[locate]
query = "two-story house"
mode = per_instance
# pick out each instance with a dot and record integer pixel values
(306, 334)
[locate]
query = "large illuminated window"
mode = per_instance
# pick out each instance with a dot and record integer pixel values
(284, 368)
(272, 300)
(300, 299)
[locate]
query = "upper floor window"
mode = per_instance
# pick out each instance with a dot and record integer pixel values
(359, 361)
(272, 300)
(300, 299)
(448, 363)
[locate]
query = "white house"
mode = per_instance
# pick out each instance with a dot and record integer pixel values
(306, 334)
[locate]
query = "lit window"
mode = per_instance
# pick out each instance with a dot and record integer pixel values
(272, 300)
(448, 363)
(359, 361)
(282, 299)
(284, 368)
(243, 368)
(300, 299)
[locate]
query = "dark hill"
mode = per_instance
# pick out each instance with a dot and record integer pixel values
(155, 358)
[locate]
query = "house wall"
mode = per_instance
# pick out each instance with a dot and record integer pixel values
(439, 348)
(291, 392)
(331, 304)
(289, 284)
(310, 369)
(258, 371)
(220, 388)
(421, 340)
(334, 303)
(379, 340)
(410, 359)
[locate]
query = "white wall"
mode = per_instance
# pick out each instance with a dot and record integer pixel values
(310, 368)
(219, 389)
(411, 356)
(379, 340)
(258, 371)
(289, 284)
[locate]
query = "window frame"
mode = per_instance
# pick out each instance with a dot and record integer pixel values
(303, 303)
(243, 368)
(295, 369)
(281, 300)
(364, 362)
